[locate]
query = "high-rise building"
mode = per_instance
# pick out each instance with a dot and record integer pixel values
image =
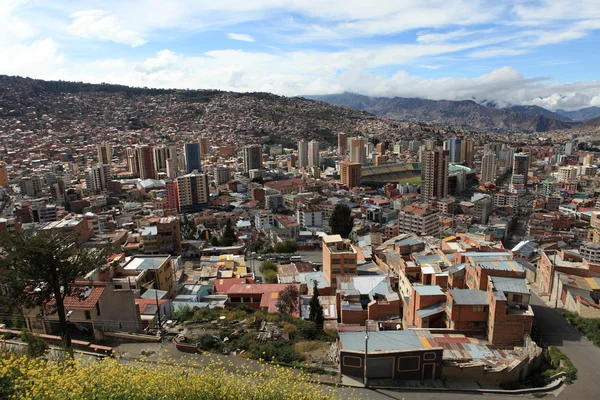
(31, 186)
(104, 151)
(192, 157)
(222, 175)
(521, 165)
(380, 148)
(489, 167)
(172, 168)
(96, 177)
(567, 173)
(302, 154)
(454, 150)
(252, 158)
(467, 152)
(204, 146)
(419, 218)
(358, 152)
(569, 148)
(350, 174)
(132, 164)
(172, 195)
(313, 153)
(3, 175)
(160, 158)
(342, 143)
(145, 162)
(588, 159)
(193, 193)
(434, 172)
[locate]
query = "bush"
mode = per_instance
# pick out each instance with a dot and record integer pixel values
(36, 346)
(560, 361)
(208, 342)
(268, 266)
(108, 379)
(185, 313)
(288, 246)
(590, 327)
(270, 276)
(277, 351)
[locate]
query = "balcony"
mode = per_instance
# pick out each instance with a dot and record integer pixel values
(521, 311)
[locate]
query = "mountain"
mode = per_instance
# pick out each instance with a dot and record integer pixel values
(593, 123)
(536, 110)
(71, 112)
(466, 113)
(584, 114)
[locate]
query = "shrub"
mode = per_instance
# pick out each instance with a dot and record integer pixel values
(185, 313)
(268, 265)
(560, 361)
(109, 379)
(36, 346)
(270, 276)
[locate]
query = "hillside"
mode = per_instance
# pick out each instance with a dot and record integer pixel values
(140, 115)
(536, 110)
(585, 114)
(466, 114)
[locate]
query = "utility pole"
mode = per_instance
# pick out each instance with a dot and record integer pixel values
(555, 280)
(366, 352)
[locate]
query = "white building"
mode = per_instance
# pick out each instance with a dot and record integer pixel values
(489, 167)
(419, 219)
(302, 154)
(263, 221)
(567, 173)
(309, 219)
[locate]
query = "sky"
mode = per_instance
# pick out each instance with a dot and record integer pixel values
(532, 52)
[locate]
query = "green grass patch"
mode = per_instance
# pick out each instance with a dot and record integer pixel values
(414, 181)
(590, 327)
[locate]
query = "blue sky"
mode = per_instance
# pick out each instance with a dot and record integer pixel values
(542, 52)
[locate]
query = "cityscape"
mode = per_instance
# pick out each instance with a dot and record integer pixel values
(162, 241)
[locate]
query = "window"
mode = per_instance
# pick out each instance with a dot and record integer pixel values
(336, 260)
(236, 300)
(98, 309)
(336, 270)
(350, 270)
(88, 315)
(476, 323)
(517, 298)
(478, 308)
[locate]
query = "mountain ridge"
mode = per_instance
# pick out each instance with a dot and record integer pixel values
(462, 113)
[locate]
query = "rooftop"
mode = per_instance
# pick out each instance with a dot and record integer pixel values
(381, 341)
(139, 263)
(510, 285)
(502, 265)
(469, 297)
(426, 290)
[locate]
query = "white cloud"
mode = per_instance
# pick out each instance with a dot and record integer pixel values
(240, 36)
(96, 24)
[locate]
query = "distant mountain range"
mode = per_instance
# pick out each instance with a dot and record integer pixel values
(466, 113)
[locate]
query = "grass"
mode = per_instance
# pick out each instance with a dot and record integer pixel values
(414, 181)
(590, 327)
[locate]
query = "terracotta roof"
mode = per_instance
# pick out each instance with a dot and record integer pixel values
(144, 303)
(223, 285)
(87, 301)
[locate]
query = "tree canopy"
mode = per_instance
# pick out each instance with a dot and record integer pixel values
(39, 270)
(340, 221)
(289, 300)
(316, 309)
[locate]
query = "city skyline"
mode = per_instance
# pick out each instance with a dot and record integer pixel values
(529, 52)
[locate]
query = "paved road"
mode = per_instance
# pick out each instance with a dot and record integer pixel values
(555, 330)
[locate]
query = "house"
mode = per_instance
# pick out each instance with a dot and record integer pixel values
(467, 310)
(510, 316)
(146, 272)
(259, 297)
(93, 309)
(361, 298)
(398, 355)
(424, 308)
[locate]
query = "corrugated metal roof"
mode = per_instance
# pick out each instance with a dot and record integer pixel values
(469, 297)
(381, 341)
(428, 290)
(431, 310)
(510, 285)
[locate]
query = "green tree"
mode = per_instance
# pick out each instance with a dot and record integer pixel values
(288, 246)
(40, 269)
(268, 265)
(289, 300)
(270, 276)
(229, 237)
(36, 346)
(340, 221)
(189, 230)
(316, 309)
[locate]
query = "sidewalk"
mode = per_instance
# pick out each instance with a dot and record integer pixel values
(426, 384)
(546, 299)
